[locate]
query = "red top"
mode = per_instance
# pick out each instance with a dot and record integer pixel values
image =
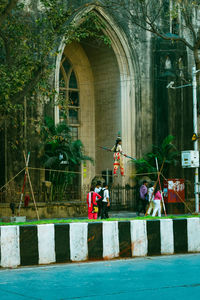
(91, 198)
(158, 196)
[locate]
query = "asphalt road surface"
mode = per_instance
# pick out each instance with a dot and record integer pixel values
(165, 277)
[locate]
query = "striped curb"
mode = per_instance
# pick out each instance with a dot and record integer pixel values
(59, 243)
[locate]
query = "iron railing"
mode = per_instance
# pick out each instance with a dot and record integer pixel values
(123, 197)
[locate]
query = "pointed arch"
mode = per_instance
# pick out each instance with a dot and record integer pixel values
(128, 69)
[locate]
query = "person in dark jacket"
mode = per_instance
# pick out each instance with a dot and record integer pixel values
(143, 198)
(105, 203)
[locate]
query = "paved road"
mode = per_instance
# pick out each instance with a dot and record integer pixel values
(169, 277)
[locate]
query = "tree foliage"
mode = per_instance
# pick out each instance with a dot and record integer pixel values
(26, 39)
(30, 34)
(29, 38)
(165, 153)
(58, 143)
(61, 153)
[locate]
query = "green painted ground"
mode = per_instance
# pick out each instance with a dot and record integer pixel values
(54, 221)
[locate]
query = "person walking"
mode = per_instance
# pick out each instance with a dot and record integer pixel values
(143, 198)
(150, 198)
(91, 202)
(105, 203)
(157, 202)
(98, 189)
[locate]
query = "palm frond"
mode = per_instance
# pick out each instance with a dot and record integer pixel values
(166, 152)
(51, 162)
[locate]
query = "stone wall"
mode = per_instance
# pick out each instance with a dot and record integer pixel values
(48, 210)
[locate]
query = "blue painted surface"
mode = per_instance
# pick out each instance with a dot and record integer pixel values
(168, 277)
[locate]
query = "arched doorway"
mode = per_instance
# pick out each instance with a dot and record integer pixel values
(105, 77)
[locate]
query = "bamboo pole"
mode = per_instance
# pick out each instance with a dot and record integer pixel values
(24, 183)
(29, 179)
(163, 203)
(155, 184)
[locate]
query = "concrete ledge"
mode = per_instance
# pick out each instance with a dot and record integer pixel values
(54, 243)
(14, 219)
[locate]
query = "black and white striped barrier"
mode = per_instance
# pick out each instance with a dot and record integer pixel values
(54, 243)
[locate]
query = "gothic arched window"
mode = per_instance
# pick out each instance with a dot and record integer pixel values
(69, 106)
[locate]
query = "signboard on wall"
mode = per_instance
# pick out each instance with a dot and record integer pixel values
(174, 190)
(190, 159)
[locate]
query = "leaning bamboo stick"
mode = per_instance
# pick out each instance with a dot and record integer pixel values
(155, 184)
(29, 179)
(163, 203)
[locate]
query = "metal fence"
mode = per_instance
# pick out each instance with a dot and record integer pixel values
(123, 197)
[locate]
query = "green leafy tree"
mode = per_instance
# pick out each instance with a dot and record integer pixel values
(165, 153)
(61, 154)
(28, 46)
(29, 38)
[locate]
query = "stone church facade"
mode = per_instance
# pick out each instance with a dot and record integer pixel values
(107, 92)
(122, 88)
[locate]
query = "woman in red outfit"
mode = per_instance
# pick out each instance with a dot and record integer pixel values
(91, 199)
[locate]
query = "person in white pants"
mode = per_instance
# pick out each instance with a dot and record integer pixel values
(157, 203)
(151, 198)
